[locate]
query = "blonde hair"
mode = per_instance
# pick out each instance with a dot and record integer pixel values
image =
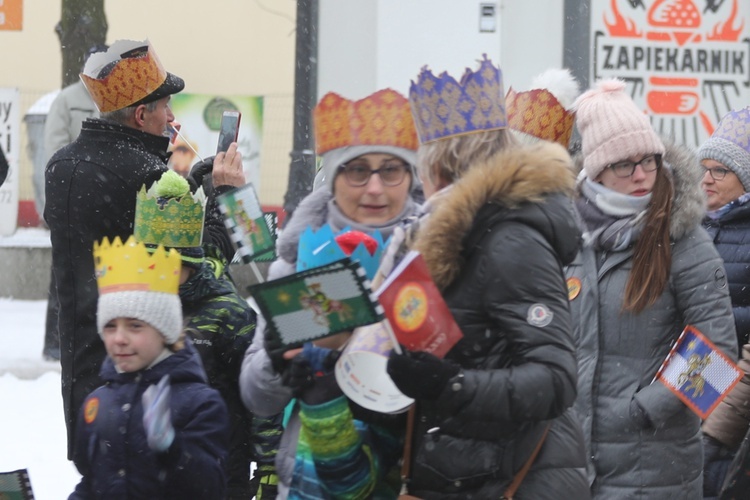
(444, 161)
(179, 343)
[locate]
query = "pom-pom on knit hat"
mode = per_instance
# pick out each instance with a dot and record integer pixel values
(612, 127)
(730, 144)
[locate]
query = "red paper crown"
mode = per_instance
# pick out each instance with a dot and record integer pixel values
(381, 119)
(539, 113)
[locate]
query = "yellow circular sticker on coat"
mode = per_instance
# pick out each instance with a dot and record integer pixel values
(574, 288)
(92, 408)
(410, 307)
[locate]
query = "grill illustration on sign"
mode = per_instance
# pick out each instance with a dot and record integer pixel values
(687, 62)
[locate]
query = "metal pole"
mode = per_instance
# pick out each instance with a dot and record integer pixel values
(302, 166)
(576, 39)
(577, 48)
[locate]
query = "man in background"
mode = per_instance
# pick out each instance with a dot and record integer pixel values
(66, 114)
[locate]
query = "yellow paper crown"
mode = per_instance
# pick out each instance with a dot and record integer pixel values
(539, 113)
(381, 119)
(136, 74)
(131, 267)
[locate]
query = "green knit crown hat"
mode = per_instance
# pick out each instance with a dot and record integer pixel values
(169, 214)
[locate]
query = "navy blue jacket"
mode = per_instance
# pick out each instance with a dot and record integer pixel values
(111, 451)
(731, 236)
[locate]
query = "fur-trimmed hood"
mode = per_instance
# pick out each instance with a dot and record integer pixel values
(508, 180)
(689, 205)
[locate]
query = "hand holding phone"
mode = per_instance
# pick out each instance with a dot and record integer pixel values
(229, 131)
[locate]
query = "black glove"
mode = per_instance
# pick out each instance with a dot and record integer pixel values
(276, 353)
(420, 375)
(199, 171)
(310, 375)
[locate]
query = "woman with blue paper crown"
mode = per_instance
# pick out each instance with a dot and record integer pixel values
(368, 149)
(646, 270)
(499, 224)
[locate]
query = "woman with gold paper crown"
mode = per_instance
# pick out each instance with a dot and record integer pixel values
(368, 149)
(500, 224)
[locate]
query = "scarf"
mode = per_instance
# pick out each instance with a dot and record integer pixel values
(721, 212)
(613, 220)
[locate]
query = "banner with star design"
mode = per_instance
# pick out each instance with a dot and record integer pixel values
(317, 303)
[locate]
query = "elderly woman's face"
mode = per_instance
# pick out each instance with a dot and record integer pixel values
(373, 188)
(720, 184)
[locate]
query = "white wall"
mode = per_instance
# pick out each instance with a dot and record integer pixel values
(532, 39)
(366, 45)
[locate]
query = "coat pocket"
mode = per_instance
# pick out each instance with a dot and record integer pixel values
(450, 464)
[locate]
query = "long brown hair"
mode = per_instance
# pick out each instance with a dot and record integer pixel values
(652, 255)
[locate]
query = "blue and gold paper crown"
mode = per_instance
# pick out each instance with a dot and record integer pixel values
(169, 214)
(131, 267)
(443, 107)
(318, 248)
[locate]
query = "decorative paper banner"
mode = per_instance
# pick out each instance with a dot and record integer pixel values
(419, 316)
(697, 372)
(272, 221)
(246, 222)
(316, 303)
(15, 485)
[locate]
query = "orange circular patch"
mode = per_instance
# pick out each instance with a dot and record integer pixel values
(574, 288)
(92, 408)
(410, 307)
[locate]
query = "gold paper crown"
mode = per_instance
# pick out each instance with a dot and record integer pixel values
(443, 107)
(539, 113)
(133, 77)
(174, 220)
(380, 119)
(131, 267)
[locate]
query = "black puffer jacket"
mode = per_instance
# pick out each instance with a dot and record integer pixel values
(496, 244)
(91, 187)
(731, 236)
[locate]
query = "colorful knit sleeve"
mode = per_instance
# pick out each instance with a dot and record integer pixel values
(343, 460)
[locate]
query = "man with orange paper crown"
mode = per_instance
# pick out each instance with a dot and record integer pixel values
(368, 151)
(91, 187)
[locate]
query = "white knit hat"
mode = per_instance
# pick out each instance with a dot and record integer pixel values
(161, 310)
(136, 283)
(612, 127)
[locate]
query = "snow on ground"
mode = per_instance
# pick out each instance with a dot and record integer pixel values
(32, 429)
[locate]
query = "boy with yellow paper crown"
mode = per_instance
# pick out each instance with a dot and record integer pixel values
(155, 429)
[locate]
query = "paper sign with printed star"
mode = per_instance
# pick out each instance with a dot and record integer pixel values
(317, 303)
(246, 222)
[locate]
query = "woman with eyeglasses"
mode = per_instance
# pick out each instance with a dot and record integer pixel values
(647, 269)
(368, 151)
(725, 157)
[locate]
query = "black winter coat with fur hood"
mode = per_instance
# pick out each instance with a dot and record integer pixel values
(496, 244)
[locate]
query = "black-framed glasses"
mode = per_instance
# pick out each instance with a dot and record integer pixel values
(717, 173)
(624, 169)
(358, 173)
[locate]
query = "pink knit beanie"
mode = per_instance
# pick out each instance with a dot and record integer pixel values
(612, 127)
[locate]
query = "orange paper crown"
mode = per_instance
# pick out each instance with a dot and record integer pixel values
(539, 113)
(137, 73)
(381, 119)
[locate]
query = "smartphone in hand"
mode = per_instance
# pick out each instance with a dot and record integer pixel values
(230, 129)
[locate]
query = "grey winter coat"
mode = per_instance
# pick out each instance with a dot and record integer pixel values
(643, 442)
